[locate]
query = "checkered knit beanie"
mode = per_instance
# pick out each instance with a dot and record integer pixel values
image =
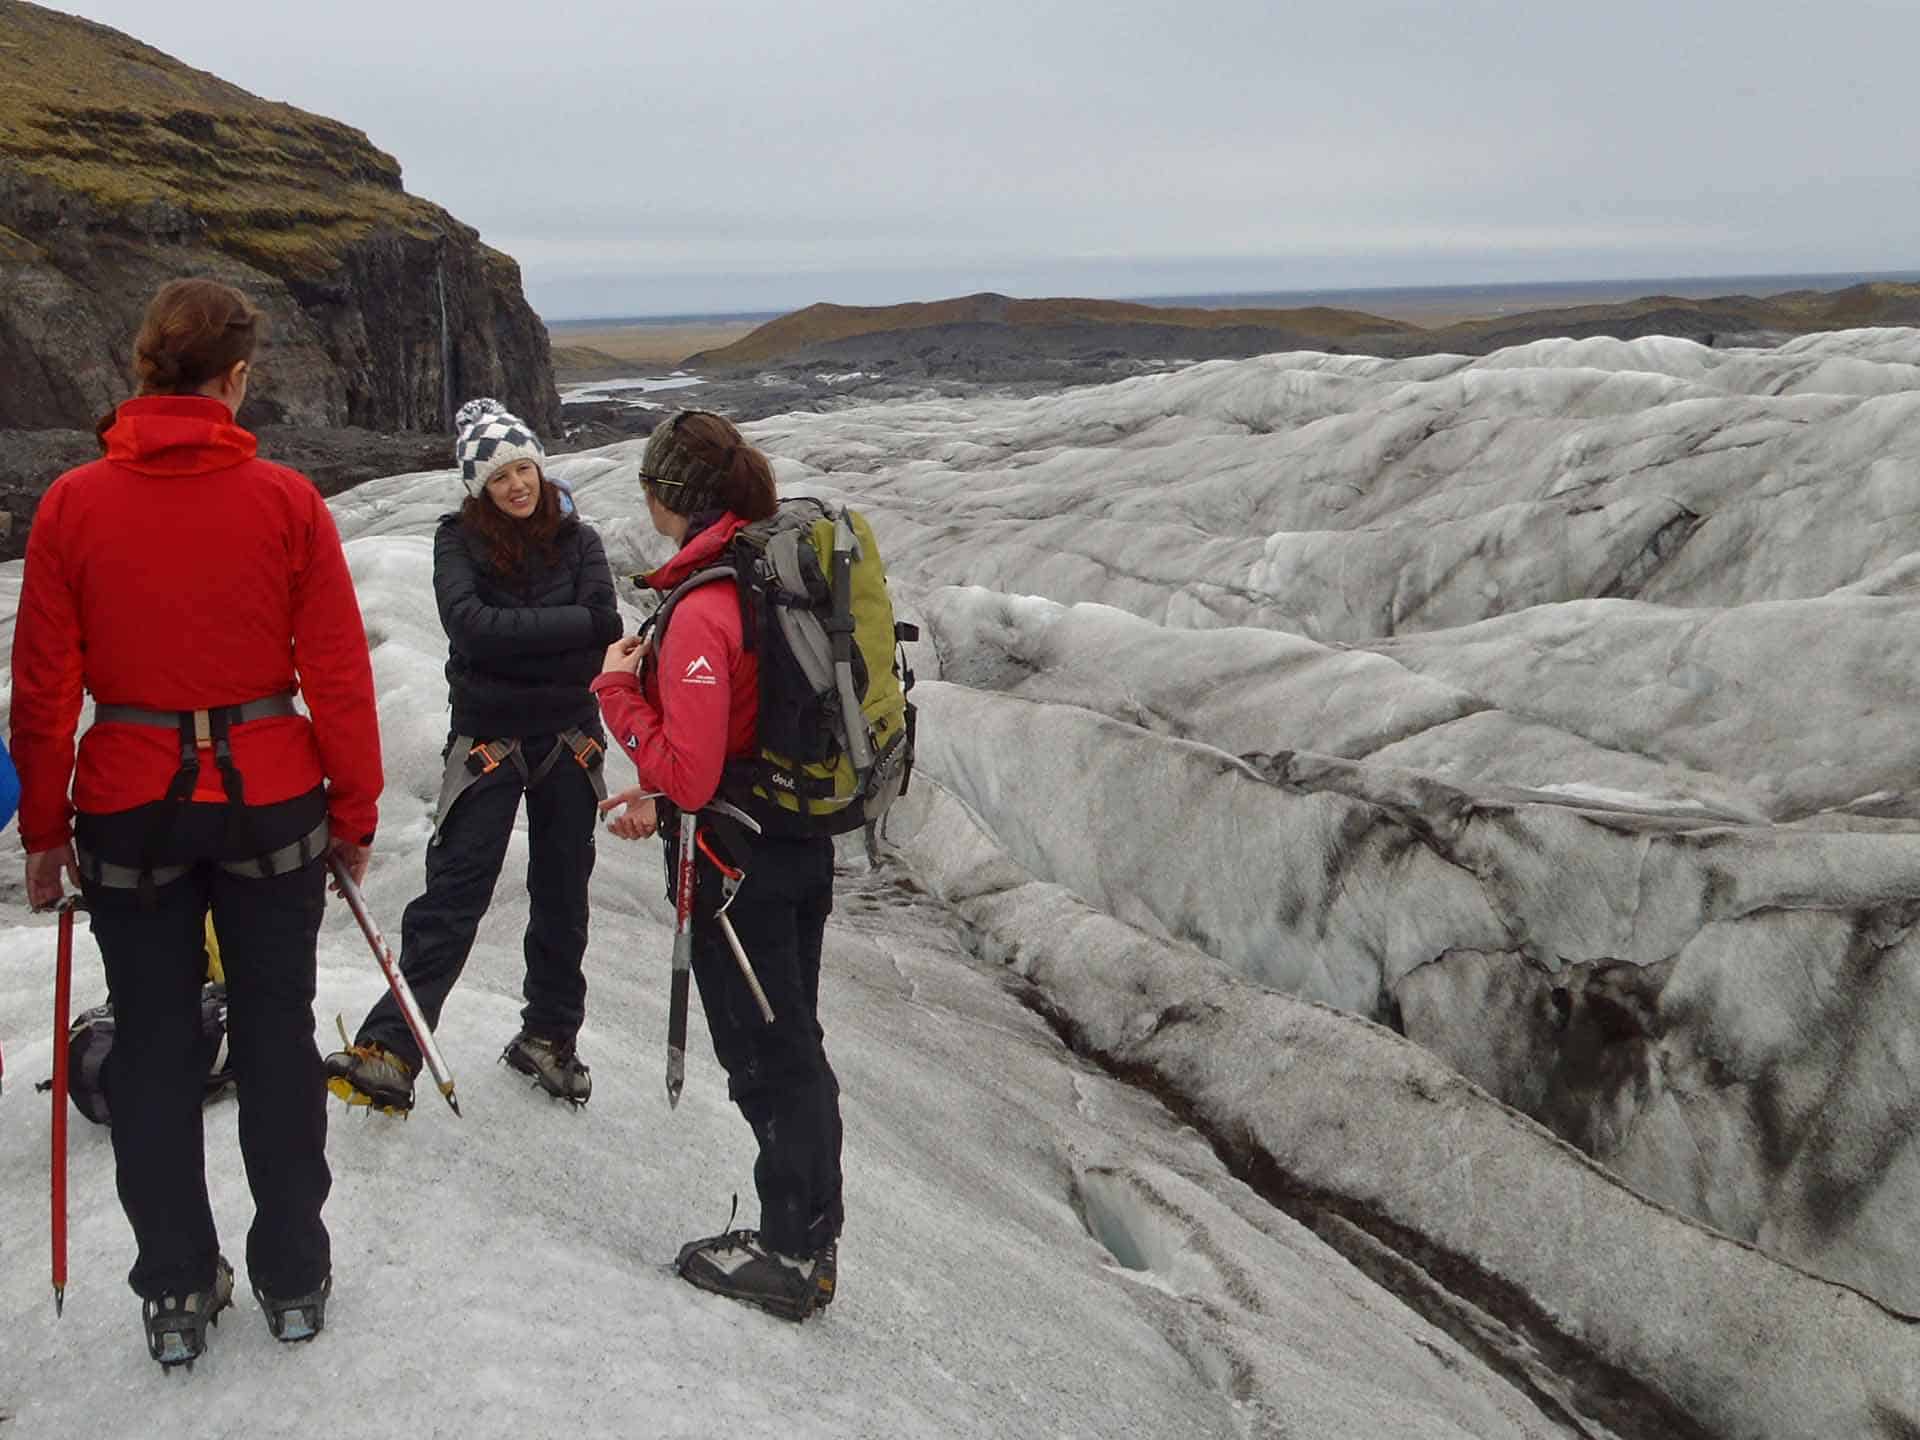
(687, 480)
(487, 436)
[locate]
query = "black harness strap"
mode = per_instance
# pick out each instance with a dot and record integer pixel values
(210, 729)
(296, 855)
(586, 752)
(545, 767)
(193, 724)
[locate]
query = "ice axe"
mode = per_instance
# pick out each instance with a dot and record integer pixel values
(730, 878)
(689, 841)
(62, 1003)
(682, 960)
(396, 982)
(682, 949)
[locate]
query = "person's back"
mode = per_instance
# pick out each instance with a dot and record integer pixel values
(191, 587)
(192, 570)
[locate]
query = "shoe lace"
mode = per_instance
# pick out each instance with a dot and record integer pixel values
(736, 1240)
(377, 1054)
(561, 1052)
(732, 1239)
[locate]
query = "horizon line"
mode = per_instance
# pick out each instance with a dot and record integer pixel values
(1483, 287)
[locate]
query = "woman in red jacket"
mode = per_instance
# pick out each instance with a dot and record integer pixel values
(680, 715)
(192, 588)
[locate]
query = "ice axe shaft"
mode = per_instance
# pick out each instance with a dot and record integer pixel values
(682, 959)
(396, 982)
(62, 1004)
(746, 968)
(730, 878)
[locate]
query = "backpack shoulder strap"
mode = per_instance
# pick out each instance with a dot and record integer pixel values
(674, 596)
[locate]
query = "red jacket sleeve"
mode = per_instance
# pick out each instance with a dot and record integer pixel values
(336, 677)
(680, 748)
(47, 671)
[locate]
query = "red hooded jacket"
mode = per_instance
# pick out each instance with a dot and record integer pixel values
(181, 573)
(700, 704)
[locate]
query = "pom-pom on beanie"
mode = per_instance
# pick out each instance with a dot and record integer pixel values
(487, 435)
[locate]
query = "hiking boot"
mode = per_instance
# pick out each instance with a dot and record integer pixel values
(826, 1268)
(177, 1324)
(553, 1065)
(300, 1318)
(738, 1266)
(368, 1074)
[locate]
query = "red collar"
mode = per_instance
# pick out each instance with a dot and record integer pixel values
(177, 435)
(702, 550)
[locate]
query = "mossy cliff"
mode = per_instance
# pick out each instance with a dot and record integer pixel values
(121, 168)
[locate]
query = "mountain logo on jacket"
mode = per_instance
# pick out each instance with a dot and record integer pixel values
(700, 673)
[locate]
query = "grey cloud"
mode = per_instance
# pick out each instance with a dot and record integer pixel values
(905, 141)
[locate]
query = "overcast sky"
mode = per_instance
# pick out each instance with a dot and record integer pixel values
(763, 154)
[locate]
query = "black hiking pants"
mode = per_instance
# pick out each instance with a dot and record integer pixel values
(154, 947)
(437, 929)
(777, 1074)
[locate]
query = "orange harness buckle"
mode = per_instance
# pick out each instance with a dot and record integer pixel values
(490, 756)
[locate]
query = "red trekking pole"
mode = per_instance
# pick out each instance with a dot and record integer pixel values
(62, 998)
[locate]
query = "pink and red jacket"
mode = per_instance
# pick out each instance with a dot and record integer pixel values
(696, 704)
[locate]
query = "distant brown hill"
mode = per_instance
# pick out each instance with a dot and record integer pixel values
(985, 334)
(584, 362)
(824, 325)
(1723, 319)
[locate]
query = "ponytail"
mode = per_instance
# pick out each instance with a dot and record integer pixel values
(745, 482)
(700, 461)
(194, 331)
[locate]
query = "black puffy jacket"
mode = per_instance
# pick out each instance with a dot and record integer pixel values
(521, 650)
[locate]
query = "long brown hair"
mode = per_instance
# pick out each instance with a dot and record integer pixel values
(513, 545)
(194, 331)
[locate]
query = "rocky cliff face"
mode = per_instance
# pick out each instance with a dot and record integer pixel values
(121, 169)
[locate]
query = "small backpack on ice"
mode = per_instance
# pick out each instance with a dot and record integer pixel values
(90, 1041)
(835, 724)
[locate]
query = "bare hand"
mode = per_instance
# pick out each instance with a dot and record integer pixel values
(639, 820)
(625, 654)
(354, 858)
(44, 870)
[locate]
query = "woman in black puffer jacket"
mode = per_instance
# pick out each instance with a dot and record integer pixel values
(527, 600)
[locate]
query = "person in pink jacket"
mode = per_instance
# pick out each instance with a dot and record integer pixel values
(681, 712)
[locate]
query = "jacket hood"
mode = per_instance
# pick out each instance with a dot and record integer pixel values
(699, 552)
(177, 435)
